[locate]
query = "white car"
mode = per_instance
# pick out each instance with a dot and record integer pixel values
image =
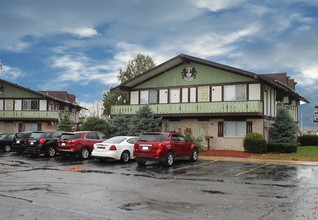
(118, 148)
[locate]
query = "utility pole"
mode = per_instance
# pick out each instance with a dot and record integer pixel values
(316, 114)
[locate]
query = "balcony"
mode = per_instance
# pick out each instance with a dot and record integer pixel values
(194, 108)
(30, 115)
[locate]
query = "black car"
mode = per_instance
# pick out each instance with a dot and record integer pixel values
(20, 140)
(6, 141)
(43, 142)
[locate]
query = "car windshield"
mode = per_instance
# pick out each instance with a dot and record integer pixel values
(23, 135)
(71, 136)
(115, 140)
(152, 137)
(2, 136)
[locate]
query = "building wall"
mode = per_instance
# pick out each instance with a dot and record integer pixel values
(13, 127)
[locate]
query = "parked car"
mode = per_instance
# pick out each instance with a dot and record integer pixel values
(118, 148)
(20, 141)
(164, 147)
(43, 142)
(6, 141)
(79, 142)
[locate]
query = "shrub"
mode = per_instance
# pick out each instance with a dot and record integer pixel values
(311, 140)
(282, 147)
(254, 143)
(196, 140)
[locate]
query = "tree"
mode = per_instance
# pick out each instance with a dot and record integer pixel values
(284, 128)
(144, 120)
(119, 125)
(140, 64)
(95, 109)
(96, 124)
(65, 124)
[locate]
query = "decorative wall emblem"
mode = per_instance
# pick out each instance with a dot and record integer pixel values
(188, 74)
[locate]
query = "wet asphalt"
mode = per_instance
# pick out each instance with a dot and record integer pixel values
(57, 188)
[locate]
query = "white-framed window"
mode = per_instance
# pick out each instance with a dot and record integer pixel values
(163, 96)
(235, 93)
(174, 95)
(185, 95)
(204, 94)
(134, 97)
(234, 128)
(144, 97)
(30, 105)
(193, 94)
(153, 96)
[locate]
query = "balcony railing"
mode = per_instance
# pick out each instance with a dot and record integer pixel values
(193, 108)
(29, 115)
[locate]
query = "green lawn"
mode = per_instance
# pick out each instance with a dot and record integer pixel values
(306, 153)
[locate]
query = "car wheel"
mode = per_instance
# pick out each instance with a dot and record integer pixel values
(169, 160)
(125, 156)
(51, 151)
(141, 162)
(84, 153)
(7, 148)
(194, 155)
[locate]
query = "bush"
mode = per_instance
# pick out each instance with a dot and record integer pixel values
(308, 140)
(281, 148)
(254, 143)
(196, 140)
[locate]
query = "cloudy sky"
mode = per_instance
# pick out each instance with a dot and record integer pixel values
(78, 45)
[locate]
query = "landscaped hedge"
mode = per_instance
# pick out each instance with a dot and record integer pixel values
(254, 143)
(281, 147)
(308, 140)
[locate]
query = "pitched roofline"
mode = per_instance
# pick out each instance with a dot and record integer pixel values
(39, 93)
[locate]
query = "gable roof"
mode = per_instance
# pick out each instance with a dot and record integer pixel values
(44, 95)
(275, 80)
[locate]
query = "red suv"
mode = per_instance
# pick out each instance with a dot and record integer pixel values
(164, 147)
(79, 142)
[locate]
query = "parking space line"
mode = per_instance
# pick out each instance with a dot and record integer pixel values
(180, 168)
(250, 170)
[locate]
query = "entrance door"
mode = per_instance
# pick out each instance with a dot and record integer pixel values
(203, 131)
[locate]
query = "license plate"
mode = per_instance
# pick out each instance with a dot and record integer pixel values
(31, 143)
(63, 144)
(18, 142)
(145, 148)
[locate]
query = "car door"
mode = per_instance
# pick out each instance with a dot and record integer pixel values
(186, 146)
(176, 145)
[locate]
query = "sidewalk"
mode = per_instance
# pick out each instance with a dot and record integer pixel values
(238, 156)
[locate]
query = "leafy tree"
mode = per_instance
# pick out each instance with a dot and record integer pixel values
(284, 128)
(96, 124)
(135, 67)
(65, 124)
(144, 120)
(113, 98)
(120, 125)
(141, 63)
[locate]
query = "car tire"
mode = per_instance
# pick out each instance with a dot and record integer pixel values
(194, 155)
(85, 153)
(51, 151)
(169, 160)
(7, 148)
(125, 156)
(141, 162)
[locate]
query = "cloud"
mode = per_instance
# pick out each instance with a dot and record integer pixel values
(83, 32)
(217, 5)
(18, 47)
(10, 73)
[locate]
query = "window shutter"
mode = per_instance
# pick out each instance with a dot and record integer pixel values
(249, 127)
(220, 128)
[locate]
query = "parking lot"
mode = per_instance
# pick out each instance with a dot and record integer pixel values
(56, 188)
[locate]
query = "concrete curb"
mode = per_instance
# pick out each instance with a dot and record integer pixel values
(253, 160)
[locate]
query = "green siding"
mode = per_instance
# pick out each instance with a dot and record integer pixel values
(14, 92)
(34, 115)
(205, 75)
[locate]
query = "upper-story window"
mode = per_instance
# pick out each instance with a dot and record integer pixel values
(174, 95)
(30, 105)
(235, 93)
(149, 97)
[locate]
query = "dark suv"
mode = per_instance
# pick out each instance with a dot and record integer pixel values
(164, 147)
(43, 142)
(79, 142)
(20, 140)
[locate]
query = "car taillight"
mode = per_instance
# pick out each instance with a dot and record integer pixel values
(113, 147)
(42, 140)
(160, 148)
(73, 142)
